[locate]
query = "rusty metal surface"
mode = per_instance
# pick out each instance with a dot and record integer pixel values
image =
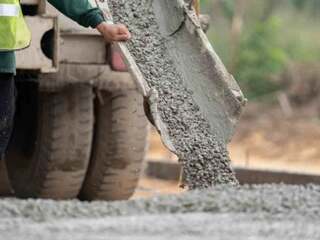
(167, 170)
(257, 176)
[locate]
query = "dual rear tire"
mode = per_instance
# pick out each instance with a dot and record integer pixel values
(120, 143)
(51, 154)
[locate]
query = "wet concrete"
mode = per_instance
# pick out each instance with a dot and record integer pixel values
(198, 113)
(256, 212)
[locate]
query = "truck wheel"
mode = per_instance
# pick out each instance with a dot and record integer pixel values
(120, 143)
(5, 188)
(51, 143)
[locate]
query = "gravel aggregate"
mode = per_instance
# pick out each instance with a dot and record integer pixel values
(247, 212)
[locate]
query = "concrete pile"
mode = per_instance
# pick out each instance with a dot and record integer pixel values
(248, 212)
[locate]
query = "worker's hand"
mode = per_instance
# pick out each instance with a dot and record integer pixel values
(114, 32)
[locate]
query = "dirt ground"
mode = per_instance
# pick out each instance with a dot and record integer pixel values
(267, 138)
(150, 187)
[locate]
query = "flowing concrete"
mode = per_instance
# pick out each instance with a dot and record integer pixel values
(257, 212)
(195, 102)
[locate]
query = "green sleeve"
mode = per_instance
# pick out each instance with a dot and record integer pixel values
(80, 11)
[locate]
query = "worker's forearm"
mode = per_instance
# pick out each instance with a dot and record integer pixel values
(86, 15)
(80, 11)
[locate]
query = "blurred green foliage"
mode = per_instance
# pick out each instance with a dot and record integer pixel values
(260, 57)
(312, 6)
(274, 34)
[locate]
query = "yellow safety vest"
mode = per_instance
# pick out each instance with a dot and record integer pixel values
(14, 32)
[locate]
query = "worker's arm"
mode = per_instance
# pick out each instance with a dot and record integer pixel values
(86, 15)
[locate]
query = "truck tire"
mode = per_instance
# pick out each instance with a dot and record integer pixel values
(5, 188)
(51, 143)
(120, 143)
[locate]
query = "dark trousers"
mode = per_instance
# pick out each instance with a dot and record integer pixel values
(7, 109)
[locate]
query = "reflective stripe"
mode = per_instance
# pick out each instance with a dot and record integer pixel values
(9, 10)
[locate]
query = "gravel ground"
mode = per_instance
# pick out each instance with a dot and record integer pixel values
(256, 212)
